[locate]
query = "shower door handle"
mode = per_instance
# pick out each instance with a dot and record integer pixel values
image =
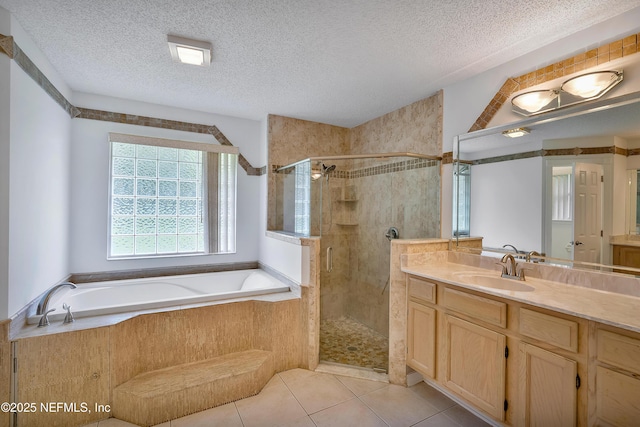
(329, 259)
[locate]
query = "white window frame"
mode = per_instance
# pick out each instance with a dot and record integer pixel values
(220, 228)
(562, 197)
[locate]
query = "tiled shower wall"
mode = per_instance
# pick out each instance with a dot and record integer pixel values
(291, 140)
(356, 286)
(415, 128)
(408, 200)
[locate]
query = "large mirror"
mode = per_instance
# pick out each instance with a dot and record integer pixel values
(568, 189)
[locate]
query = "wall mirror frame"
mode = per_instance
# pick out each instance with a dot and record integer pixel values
(506, 205)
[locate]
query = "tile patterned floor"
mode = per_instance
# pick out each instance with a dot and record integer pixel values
(348, 342)
(301, 398)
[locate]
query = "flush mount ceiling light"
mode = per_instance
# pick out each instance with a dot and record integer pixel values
(187, 51)
(582, 88)
(592, 85)
(516, 133)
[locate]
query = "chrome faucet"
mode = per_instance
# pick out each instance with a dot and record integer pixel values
(44, 320)
(510, 268)
(43, 305)
(512, 247)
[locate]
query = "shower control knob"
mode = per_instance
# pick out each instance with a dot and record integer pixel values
(392, 233)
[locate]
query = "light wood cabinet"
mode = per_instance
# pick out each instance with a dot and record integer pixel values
(547, 388)
(475, 364)
(421, 338)
(561, 333)
(457, 339)
(563, 370)
(481, 308)
(617, 384)
(628, 256)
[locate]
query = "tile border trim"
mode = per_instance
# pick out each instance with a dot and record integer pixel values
(9, 47)
(356, 172)
(576, 151)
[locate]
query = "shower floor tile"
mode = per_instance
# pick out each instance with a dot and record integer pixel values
(348, 342)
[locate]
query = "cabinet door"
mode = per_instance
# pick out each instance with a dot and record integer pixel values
(617, 399)
(475, 364)
(421, 338)
(548, 394)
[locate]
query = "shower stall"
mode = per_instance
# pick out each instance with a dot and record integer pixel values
(357, 204)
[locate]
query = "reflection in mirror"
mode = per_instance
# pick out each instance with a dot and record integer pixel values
(462, 173)
(632, 220)
(563, 190)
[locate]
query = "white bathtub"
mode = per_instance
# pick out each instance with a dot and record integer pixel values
(121, 296)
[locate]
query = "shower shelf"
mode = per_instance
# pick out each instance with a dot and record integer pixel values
(347, 224)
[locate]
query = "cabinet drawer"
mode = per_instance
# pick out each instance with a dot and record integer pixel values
(619, 350)
(490, 311)
(558, 332)
(422, 289)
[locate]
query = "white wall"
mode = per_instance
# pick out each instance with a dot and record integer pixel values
(90, 179)
(38, 181)
(562, 232)
(620, 191)
(287, 258)
(5, 95)
(506, 204)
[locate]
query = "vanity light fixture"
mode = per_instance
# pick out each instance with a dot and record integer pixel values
(592, 85)
(582, 88)
(187, 51)
(516, 133)
(535, 100)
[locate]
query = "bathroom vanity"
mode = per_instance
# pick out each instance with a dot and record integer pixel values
(533, 352)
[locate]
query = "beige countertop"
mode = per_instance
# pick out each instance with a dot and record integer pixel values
(633, 243)
(615, 309)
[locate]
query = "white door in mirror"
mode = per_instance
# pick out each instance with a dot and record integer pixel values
(588, 213)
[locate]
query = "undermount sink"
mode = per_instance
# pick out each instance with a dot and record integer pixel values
(489, 281)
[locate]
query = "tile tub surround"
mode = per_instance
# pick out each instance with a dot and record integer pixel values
(310, 298)
(611, 299)
(85, 365)
(302, 398)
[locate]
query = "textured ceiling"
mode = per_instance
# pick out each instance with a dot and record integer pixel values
(341, 62)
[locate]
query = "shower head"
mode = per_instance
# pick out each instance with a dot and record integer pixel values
(327, 169)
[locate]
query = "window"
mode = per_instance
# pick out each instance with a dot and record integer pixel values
(561, 196)
(170, 197)
(462, 213)
(302, 209)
